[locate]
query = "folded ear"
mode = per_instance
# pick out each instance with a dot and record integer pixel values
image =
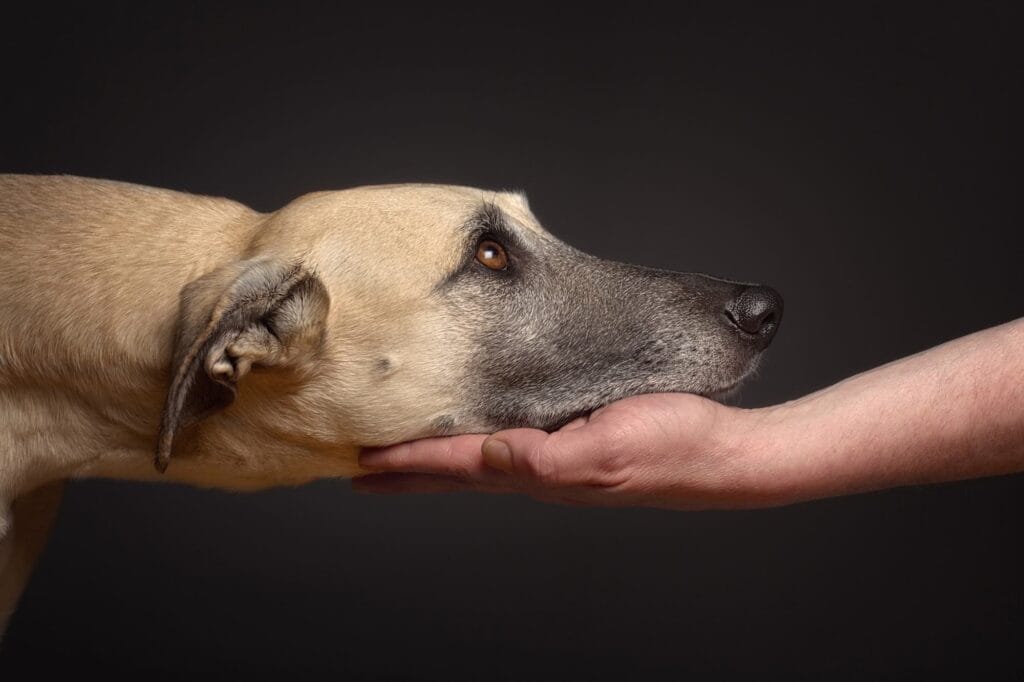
(256, 312)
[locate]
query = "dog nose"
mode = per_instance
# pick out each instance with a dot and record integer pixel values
(757, 310)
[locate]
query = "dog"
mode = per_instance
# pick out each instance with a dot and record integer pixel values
(149, 334)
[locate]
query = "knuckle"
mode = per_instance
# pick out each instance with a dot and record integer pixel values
(452, 463)
(609, 462)
(565, 464)
(615, 460)
(391, 457)
(542, 465)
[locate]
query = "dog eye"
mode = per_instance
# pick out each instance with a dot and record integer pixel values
(492, 254)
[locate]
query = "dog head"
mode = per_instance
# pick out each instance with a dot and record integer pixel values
(381, 314)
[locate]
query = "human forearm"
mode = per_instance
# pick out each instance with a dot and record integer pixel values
(954, 411)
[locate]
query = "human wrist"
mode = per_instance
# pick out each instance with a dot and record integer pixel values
(732, 465)
(773, 451)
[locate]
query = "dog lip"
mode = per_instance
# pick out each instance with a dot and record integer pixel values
(557, 422)
(724, 392)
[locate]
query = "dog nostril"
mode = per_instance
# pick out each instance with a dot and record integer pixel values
(756, 310)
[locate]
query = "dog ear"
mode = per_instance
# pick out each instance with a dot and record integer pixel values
(256, 312)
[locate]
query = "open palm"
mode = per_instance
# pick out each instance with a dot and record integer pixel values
(664, 449)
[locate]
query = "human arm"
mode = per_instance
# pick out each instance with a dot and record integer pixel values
(954, 411)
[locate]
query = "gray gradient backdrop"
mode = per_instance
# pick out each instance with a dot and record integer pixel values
(864, 159)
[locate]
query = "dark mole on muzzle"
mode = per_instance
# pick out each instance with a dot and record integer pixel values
(561, 332)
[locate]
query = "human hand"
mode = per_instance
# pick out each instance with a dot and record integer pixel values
(949, 413)
(670, 450)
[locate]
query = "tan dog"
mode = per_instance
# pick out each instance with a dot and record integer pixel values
(266, 349)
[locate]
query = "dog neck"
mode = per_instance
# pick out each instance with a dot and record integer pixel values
(87, 326)
(111, 431)
(53, 432)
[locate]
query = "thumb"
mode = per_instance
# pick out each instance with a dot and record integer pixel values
(519, 451)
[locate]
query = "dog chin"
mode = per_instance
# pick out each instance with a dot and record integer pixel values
(723, 395)
(557, 422)
(731, 390)
(553, 421)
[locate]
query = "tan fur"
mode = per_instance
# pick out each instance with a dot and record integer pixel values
(91, 274)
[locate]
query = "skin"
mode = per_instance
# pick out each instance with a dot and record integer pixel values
(953, 412)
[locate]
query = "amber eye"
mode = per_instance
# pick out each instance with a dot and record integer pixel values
(492, 254)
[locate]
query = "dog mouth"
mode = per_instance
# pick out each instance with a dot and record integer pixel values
(722, 395)
(547, 415)
(556, 423)
(726, 393)
(719, 395)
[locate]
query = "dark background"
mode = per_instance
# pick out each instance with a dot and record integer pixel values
(864, 160)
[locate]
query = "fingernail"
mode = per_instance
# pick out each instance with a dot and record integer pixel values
(372, 458)
(497, 454)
